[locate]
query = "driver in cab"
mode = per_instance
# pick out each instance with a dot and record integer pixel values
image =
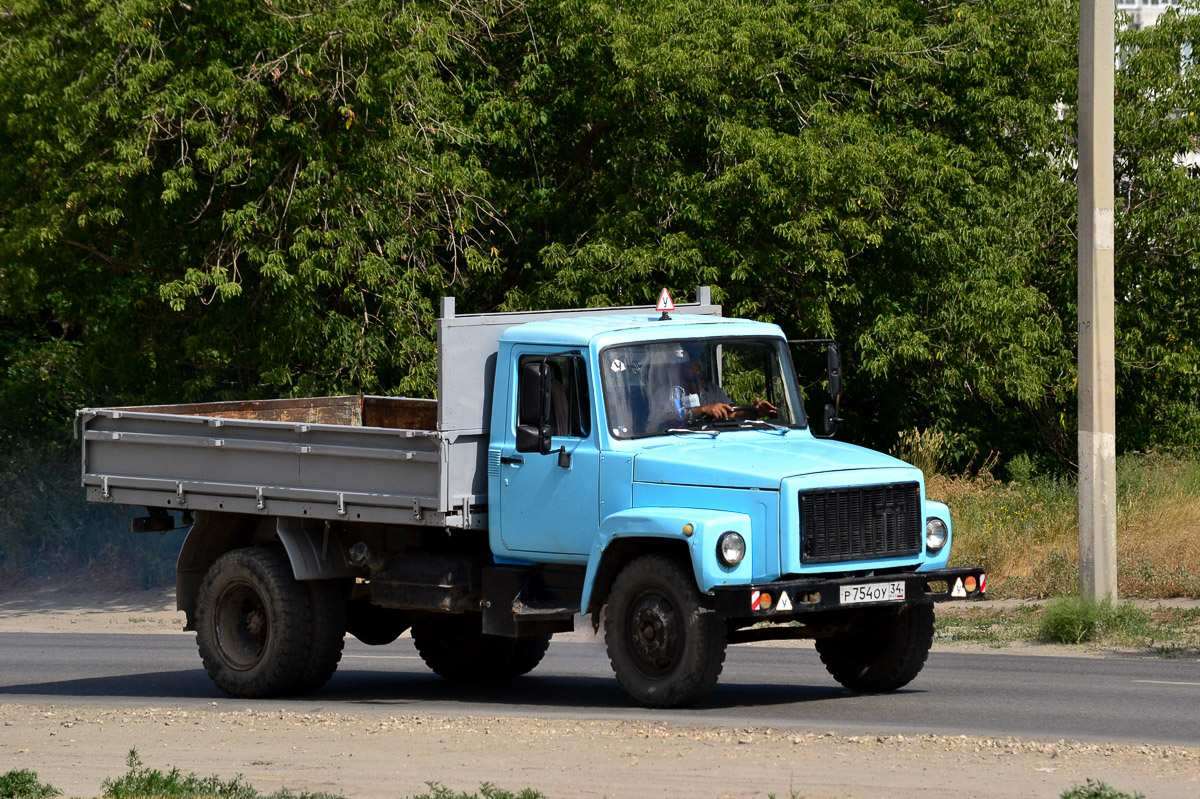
(695, 398)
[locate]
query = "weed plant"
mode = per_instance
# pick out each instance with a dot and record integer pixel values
(142, 783)
(1166, 631)
(24, 784)
(1073, 620)
(1097, 790)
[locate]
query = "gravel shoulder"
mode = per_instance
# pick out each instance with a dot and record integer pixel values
(369, 757)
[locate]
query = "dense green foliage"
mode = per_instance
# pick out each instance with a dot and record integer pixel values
(24, 784)
(218, 199)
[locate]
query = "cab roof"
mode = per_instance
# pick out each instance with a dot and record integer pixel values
(604, 330)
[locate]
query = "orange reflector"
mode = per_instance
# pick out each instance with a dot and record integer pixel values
(765, 601)
(969, 584)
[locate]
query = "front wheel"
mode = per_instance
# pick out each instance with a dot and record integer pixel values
(665, 647)
(884, 651)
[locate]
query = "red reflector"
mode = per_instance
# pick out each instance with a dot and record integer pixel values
(983, 583)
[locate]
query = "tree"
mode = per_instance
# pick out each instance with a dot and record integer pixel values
(226, 199)
(229, 199)
(1158, 239)
(889, 173)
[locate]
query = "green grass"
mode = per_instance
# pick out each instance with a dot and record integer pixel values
(143, 783)
(1097, 790)
(140, 782)
(995, 628)
(1073, 620)
(1165, 631)
(486, 791)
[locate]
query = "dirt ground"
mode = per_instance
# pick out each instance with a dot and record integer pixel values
(369, 757)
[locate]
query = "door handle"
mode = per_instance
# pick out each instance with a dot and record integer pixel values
(512, 460)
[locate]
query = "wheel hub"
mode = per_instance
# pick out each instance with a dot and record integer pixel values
(657, 635)
(243, 626)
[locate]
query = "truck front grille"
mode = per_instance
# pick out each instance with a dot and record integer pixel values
(862, 523)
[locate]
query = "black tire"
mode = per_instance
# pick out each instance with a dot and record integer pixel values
(327, 634)
(253, 623)
(884, 651)
(526, 655)
(454, 646)
(373, 625)
(665, 647)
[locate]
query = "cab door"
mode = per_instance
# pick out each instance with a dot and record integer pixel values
(549, 502)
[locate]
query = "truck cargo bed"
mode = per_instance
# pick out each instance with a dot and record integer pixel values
(355, 458)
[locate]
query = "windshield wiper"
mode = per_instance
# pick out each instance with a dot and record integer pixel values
(704, 431)
(753, 423)
(781, 429)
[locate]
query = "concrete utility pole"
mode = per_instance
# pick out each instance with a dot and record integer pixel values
(1097, 373)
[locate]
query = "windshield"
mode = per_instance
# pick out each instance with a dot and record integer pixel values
(660, 387)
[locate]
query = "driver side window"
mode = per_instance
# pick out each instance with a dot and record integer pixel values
(569, 399)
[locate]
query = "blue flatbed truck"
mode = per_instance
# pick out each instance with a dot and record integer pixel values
(573, 463)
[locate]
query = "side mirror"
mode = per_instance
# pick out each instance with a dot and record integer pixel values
(533, 414)
(833, 367)
(533, 438)
(831, 420)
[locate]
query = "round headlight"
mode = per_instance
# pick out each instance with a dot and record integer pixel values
(936, 534)
(731, 548)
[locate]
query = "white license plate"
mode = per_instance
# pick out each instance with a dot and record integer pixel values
(872, 592)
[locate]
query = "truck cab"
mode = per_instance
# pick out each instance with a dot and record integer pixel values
(684, 440)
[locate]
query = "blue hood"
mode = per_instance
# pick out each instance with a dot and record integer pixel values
(750, 459)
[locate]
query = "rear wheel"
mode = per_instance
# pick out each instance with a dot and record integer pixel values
(527, 653)
(373, 625)
(665, 647)
(884, 651)
(327, 634)
(254, 623)
(454, 646)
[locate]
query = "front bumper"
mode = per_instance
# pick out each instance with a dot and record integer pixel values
(787, 599)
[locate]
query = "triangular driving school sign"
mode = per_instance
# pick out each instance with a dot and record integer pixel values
(664, 302)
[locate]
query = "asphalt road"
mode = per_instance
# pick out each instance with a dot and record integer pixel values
(1129, 700)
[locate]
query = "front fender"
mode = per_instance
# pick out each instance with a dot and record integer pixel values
(670, 523)
(941, 511)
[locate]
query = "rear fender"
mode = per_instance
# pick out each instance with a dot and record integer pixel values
(315, 552)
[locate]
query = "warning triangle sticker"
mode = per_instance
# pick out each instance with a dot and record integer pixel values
(785, 602)
(665, 303)
(958, 591)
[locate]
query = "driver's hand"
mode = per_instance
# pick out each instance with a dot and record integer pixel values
(764, 408)
(717, 410)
